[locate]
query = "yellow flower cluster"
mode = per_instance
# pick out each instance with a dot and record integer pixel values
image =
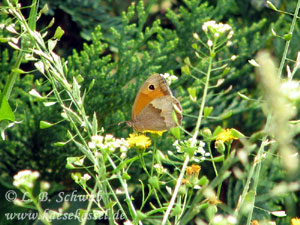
(226, 136)
(193, 170)
(295, 221)
(139, 141)
(160, 133)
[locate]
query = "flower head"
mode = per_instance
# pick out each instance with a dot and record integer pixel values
(295, 221)
(159, 132)
(108, 142)
(25, 178)
(160, 169)
(226, 136)
(193, 170)
(214, 27)
(197, 148)
(140, 141)
(169, 78)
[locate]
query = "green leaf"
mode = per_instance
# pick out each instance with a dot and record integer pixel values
(91, 85)
(243, 96)
(45, 124)
(218, 130)
(17, 70)
(208, 110)
(37, 95)
(52, 44)
(79, 79)
(59, 33)
(236, 133)
(226, 115)
(203, 181)
(185, 69)
(175, 131)
(193, 93)
(270, 4)
(75, 162)
(6, 112)
(287, 37)
(60, 144)
(94, 124)
(98, 214)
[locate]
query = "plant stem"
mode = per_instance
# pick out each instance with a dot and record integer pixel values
(287, 44)
(257, 160)
(12, 78)
(186, 161)
(83, 222)
(203, 99)
(194, 138)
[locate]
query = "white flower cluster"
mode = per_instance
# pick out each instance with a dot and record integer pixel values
(160, 169)
(169, 78)
(109, 142)
(25, 178)
(182, 145)
(217, 29)
(220, 219)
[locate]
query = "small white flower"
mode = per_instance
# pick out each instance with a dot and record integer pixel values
(169, 78)
(160, 169)
(233, 57)
(229, 43)
(97, 139)
(209, 43)
(86, 177)
(230, 34)
(218, 218)
(196, 36)
(216, 35)
(92, 145)
(231, 219)
(123, 155)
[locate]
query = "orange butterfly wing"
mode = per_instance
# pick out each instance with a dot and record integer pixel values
(154, 87)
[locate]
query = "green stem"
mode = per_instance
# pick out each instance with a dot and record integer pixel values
(186, 161)
(125, 187)
(203, 99)
(12, 78)
(42, 215)
(287, 44)
(154, 154)
(212, 159)
(257, 160)
(83, 222)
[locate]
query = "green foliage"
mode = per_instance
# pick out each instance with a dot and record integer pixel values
(95, 88)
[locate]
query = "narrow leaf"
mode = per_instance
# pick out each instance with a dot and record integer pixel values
(6, 112)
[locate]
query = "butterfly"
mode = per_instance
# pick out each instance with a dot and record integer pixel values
(153, 106)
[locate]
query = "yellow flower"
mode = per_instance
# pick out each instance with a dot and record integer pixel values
(184, 181)
(193, 170)
(226, 136)
(295, 221)
(160, 133)
(140, 141)
(254, 222)
(189, 171)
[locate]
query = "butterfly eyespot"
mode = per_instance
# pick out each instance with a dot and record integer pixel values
(151, 87)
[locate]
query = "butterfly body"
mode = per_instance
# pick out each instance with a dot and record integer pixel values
(153, 106)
